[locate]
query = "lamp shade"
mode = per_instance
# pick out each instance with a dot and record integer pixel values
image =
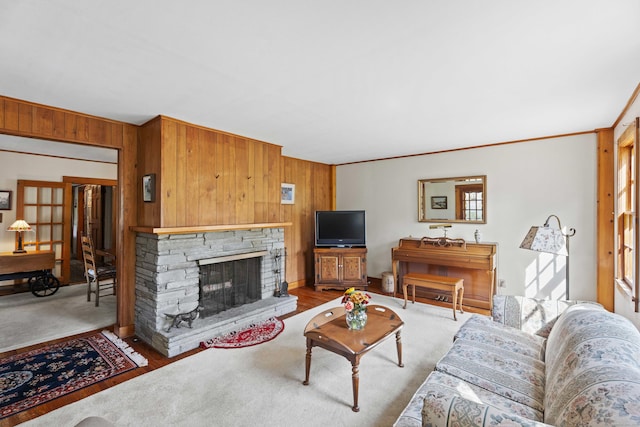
(545, 239)
(19, 225)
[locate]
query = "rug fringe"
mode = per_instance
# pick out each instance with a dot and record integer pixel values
(137, 358)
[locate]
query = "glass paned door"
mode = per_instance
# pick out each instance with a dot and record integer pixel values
(44, 206)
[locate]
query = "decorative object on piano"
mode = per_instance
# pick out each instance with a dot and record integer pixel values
(443, 226)
(550, 240)
(355, 304)
(459, 199)
(477, 236)
(5, 200)
(442, 241)
(20, 226)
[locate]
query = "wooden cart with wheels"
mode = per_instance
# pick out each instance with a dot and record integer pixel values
(36, 266)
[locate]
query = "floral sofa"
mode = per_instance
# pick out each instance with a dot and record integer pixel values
(538, 362)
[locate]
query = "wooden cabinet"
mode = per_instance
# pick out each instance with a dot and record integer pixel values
(340, 268)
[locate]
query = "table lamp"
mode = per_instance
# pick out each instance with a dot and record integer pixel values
(19, 226)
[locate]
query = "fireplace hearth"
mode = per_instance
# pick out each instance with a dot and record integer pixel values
(229, 274)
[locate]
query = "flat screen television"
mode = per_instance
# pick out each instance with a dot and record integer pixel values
(340, 228)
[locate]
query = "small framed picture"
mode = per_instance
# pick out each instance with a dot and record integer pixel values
(288, 194)
(5, 200)
(439, 202)
(149, 188)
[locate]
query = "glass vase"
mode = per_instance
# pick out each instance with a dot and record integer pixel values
(356, 319)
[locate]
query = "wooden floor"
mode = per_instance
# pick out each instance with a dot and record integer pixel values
(308, 298)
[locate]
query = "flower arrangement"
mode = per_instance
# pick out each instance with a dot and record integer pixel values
(355, 300)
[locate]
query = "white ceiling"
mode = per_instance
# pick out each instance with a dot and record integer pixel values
(332, 81)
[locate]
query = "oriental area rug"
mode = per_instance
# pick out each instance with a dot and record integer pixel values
(37, 376)
(254, 334)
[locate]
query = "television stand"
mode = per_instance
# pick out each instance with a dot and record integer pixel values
(340, 268)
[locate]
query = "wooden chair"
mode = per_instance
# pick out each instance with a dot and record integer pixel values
(99, 278)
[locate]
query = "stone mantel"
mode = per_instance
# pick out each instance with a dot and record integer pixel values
(208, 228)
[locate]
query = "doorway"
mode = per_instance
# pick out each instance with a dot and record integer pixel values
(93, 214)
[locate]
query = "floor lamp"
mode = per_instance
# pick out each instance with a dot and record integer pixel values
(550, 240)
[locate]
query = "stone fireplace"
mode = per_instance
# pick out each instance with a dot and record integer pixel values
(176, 273)
(228, 282)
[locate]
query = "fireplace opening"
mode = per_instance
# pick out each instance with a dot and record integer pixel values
(229, 284)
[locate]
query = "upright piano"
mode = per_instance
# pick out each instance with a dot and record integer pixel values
(473, 262)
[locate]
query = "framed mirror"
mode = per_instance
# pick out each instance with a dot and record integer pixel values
(461, 199)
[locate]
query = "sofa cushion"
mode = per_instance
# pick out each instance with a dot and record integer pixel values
(593, 369)
(450, 401)
(483, 329)
(533, 315)
(511, 375)
(440, 387)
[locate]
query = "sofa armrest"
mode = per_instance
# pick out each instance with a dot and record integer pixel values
(532, 315)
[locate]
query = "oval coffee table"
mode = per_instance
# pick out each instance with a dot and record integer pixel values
(329, 331)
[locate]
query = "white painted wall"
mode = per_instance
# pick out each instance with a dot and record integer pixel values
(622, 300)
(526, 182)
(14, 166)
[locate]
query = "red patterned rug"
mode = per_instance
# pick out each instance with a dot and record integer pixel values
(38, 376)
(254, 334)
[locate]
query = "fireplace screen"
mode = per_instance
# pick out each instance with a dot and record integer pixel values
(229, 284)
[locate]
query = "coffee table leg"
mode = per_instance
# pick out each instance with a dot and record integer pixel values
(307, 365)
(355, 380)
(399, 348)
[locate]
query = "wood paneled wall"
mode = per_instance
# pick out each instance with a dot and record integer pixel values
(313, 191)
(605, 255)
(23, 118)
(207, 177)
(149, 155)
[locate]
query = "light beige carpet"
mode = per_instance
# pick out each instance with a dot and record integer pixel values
(262, 385)
(26, 319)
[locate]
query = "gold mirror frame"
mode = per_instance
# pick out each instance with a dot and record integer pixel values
(441, 199)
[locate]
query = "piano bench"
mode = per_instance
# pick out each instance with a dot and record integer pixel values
(453, 285)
